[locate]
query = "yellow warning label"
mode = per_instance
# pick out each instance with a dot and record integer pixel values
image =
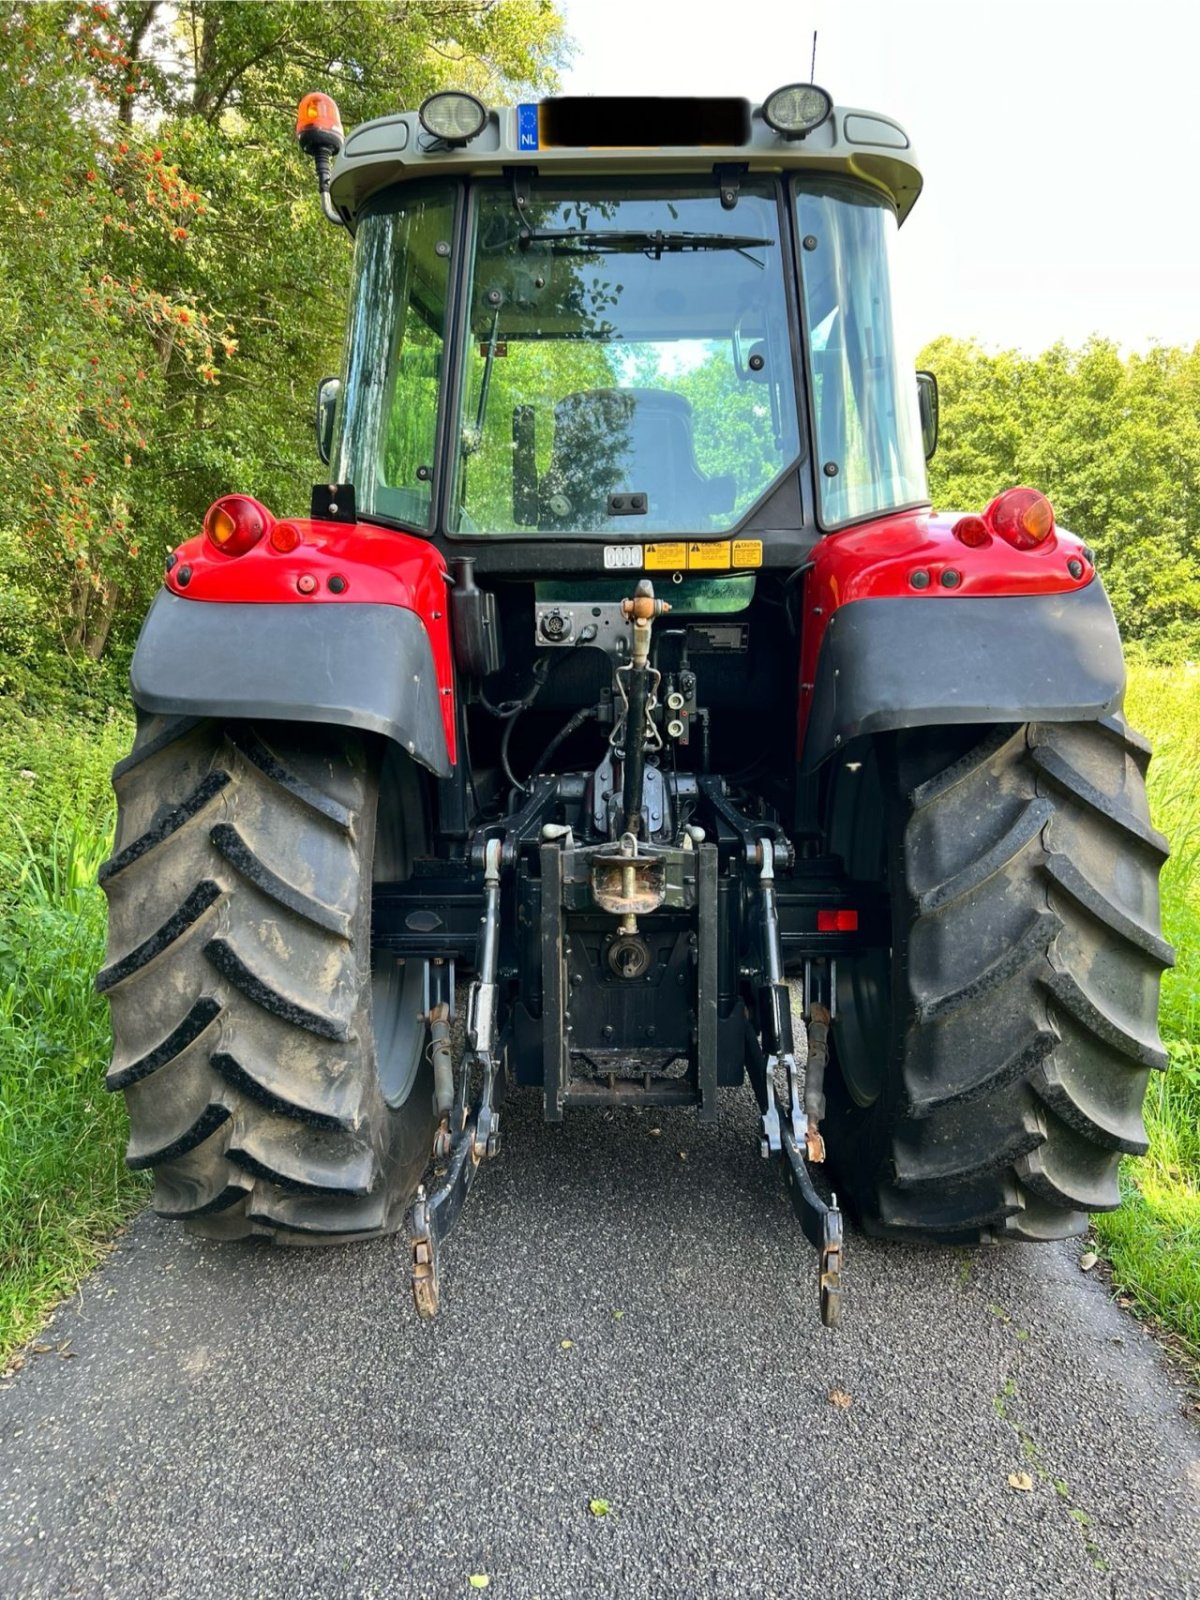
(747, 552)
(666, 556)
(710, 556)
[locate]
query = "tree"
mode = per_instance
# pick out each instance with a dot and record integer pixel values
(170, 295)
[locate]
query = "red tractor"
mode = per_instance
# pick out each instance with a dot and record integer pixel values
(621, 687)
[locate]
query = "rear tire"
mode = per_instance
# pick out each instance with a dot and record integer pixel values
(275, 1075)
(991, 1071)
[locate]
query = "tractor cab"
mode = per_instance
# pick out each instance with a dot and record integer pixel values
(626, 345)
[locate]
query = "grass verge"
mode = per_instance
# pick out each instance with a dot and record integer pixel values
(1153, 1242)
(64, 1189)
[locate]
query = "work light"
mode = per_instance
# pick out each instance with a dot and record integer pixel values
(796, 109)
(452, 116)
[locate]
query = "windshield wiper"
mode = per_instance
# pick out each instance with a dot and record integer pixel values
(653, 242)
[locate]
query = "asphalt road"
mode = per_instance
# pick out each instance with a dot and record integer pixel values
(245, 1422)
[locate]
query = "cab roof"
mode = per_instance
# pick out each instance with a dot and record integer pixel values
(851, 143)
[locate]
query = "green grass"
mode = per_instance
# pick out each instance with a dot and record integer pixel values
(64, 1189)
(1153, 1241)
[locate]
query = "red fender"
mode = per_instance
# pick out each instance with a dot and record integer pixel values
(364, 564)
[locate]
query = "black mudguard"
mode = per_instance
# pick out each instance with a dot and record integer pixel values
(911, 663)
(356, 666)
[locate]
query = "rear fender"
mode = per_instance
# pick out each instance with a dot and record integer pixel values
(245, 637)
(1012, 636)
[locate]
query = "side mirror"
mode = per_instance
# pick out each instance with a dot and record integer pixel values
(927, 396)
(329, 392)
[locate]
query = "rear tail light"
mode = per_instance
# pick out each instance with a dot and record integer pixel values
(285, 536)
(840, 920)
(1023, 517)
(235, 524)
(972, 531)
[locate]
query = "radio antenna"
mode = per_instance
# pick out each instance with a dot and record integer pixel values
(812, 71)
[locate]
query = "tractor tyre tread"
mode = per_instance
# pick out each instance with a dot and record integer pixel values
(241, 1019)
(1026, 971)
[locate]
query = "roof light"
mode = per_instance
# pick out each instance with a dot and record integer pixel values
(796, 109)
(235, 523)
(1024, 517)
(452, 116)
(319, 125)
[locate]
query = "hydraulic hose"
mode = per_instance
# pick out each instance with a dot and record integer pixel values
(563, 734)
(510, 710)
(506, 765)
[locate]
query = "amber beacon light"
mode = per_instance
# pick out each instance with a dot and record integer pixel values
(319, 125)
(319, 134)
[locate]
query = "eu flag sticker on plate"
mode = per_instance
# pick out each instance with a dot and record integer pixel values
(527, 127)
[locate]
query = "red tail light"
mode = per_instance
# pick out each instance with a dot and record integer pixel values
(1023, 517)
(235, 523)
(839, 921)
(972, 531)
(285, 536)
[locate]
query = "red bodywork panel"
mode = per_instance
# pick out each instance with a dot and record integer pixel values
(379, 567)
(876, 561)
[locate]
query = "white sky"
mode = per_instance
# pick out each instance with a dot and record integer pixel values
(1059, 140)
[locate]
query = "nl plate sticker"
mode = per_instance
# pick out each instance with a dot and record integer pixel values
(622, 556)
(527, 127)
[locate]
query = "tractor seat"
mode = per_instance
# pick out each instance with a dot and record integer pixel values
(628, 441)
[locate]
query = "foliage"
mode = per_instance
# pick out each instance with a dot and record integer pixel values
(57, 765)
(63, 1183)
(168, 293)
(1114, 442)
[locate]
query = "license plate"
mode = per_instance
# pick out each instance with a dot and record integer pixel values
(620, 557)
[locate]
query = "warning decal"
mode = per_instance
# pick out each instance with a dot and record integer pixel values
(698, 555)
(710, 556)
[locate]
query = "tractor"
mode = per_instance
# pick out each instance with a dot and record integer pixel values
(623, 723)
